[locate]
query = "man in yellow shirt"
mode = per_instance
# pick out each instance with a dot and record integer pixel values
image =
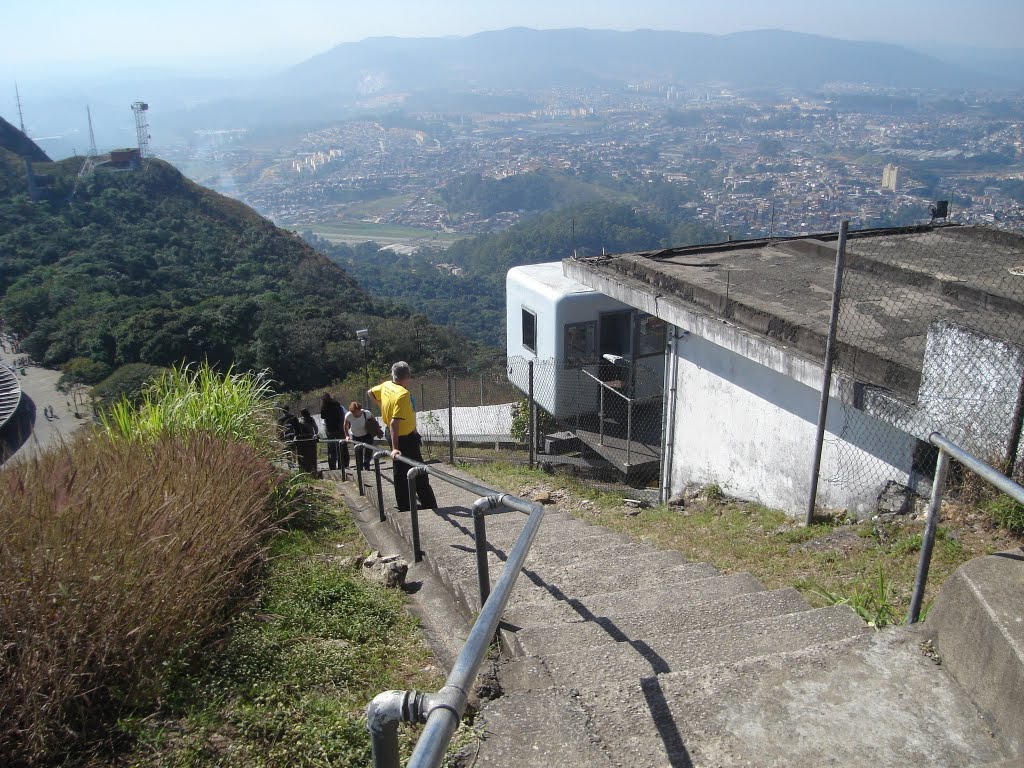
(397, 413)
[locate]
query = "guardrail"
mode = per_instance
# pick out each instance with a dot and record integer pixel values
(442, 711)
(991, 475)
(629, 412)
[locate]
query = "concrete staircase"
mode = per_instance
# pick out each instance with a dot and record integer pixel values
(616, 654)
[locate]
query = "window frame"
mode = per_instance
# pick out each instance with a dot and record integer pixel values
(526, 311)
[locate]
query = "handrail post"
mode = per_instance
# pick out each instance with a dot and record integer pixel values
(414, 513)
(383, 715)
(359, 466)
(483, 576)
(380, 490)
(928, 540)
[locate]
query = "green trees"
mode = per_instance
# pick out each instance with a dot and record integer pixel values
(147, 267)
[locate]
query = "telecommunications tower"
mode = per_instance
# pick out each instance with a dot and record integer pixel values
(21, 117)
(140, 108)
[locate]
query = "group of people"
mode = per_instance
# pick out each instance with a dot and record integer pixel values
(302, 433)
(398, 414)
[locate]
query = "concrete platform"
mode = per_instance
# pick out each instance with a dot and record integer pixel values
(978, 624)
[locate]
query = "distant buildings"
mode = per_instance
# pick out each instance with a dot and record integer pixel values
(890, 177)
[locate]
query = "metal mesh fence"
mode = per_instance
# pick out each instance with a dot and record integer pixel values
(596, 418)
(929, 338)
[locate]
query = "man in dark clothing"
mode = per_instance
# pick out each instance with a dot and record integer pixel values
(334, 425)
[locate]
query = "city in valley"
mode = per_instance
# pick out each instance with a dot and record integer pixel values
(747, 163)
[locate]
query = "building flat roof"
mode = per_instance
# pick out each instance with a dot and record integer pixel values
(896, 283)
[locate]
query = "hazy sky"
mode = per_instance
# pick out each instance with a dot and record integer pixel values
(43, 38)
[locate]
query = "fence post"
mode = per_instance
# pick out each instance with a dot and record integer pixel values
(928, 540)
(629, 430)
(529, 416)
(826, 384)
(451, 433)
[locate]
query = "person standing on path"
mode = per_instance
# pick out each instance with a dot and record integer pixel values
(397, 412)
(357, 427)
(334, 425)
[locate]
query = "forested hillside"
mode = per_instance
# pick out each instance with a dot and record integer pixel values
(145, 266)
(474, 302)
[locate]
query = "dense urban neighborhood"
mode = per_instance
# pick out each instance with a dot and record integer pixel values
(750, 164)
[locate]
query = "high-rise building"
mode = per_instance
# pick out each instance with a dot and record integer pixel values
(890, 177)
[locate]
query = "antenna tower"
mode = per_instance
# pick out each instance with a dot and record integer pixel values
(21, 117)
(140, 108)
(92, 135)
(92, 159)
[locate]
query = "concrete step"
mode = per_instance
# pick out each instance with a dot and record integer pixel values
(706, 586)
(538, 729)
(575, 582)
(658, 653)
(538, 640)
(872, 700)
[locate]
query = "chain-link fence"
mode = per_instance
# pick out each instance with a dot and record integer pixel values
(601, 419)
(929, 338)
(598, 417)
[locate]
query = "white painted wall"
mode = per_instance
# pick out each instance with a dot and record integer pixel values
(751, 430)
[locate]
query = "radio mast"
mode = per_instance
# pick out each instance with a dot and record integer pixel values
(140, 108)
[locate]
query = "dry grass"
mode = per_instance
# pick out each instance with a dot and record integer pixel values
(116, 560)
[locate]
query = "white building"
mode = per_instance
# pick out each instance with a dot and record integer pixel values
(929, 340)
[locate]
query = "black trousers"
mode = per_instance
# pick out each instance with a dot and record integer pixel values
(336, 450)
(368, 439)
(409, 445)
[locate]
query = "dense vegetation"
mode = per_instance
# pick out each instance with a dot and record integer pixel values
(154, 612)
(147, 267)
(475, 302)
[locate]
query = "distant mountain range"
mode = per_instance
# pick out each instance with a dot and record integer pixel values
(493, 71)
(528, 58)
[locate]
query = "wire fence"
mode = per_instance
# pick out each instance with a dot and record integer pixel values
(591, 417)
(929, 338)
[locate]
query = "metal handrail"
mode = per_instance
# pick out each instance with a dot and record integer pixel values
(629, 414)
(993, 476)
(442, 711)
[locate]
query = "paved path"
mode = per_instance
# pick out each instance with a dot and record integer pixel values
(617, 654)
(39, 387)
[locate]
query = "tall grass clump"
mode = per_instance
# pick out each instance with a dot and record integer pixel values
(117, 558)
(188, 400)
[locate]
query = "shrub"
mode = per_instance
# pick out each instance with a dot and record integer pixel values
(188, 401)
(116, 559)
(546, 423)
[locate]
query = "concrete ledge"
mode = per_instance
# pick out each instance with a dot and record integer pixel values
(978, 623)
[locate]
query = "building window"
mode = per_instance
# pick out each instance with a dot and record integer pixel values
(529, 330)
(580, 344)
(650, 335)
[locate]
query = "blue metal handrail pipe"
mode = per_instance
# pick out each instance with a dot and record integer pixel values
(442, 711)
(948, 450)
